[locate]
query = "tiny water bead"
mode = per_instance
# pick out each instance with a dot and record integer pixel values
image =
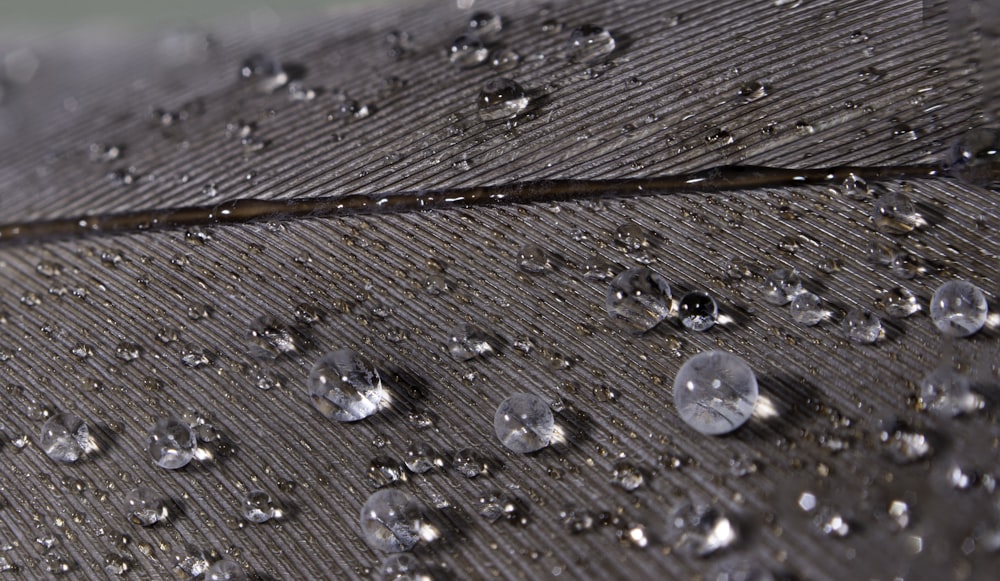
(467, 51)
(145, 507)
(344, 387)
(404, 567)
(171, 443)
(225, 570)
(258, 507)
(590, 43)
(781, 286)
(862, 326)
(715, 392)
(639, 299)
(698, 311)
(894, 213)
(391, 521)
(807, 309)
(501, 98)
(523, 422)
(958, 308)
(947, 392)
(466, 341)
(899, 302)
(420, 458)
(532, 258)
(65, 438)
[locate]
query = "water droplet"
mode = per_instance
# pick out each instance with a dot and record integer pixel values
(975, 158)
(48, 269)
(703, 528)
(631, 237)
(504, 59)
(523, 422)
(752, 90)
(225, 570)
(782, 285)
(467, 51)
(894, 213)
(65, 438)
(299, 92)
(404, 567)
(383, 471)
(590, 44)
(807, 309)
(144, 507)
(855, 188)
(210, 190)
(470, 463)
(420, 458)
(466, 341)
(391, 521)
(639, 299)
(501, 98)
(715, 392)
(344, 387)
(268, 73)
(31, 300)
(307, 314)
(128, 351)
(171, 443)
(597, 268)
(627, 475)
(270, 338)
(862, 326)
(906, 265)
(946, 392)
(485, 24)
(958, 308)
(56, 563)
(532, 258)
(698, 311)
(258, 507)
(898, 302)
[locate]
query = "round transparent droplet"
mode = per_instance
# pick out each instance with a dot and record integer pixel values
(752, 90)
(404, 567)
(631, 237)
(466, 341)
(898, 302)
(486, 24)
(420, 458)
(532, 258)
(590, 43)
(391, 521)
(225, 570)
(270, 338)
(171, 443)
(145, 507)
(638, 299)
(894, 213)
(64, 438)
(501, 99)
(504, 59)
(975, 157)
(595, 267)
(698, 311)
(807, 309)
(344, 387)
(947, 392)
(627, 475)
(862, 326)
(523, 422)
(958, 308)
(715, 392)
(781, 286)
(470, 463)
(855, 188)
(467, 51)
(258, 507)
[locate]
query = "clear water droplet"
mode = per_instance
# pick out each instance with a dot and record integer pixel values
(270, 338)
(391, 521)
(466, 341)
(470, 463)
(959, 308)
(855, 188)
(523, 422)
(698, 311)
(145, 507)
(597, 268)
(532, 258)
(752, 91)
(898, 302)
(500, 505)
(501, 99)
(258, 507)
(807, 309)
(590, 44)
(627, 476)
(782, 285)
(65, 438)
(704, 529)
(343, 387)
(715, 392)
(639, 299)
(504, 59)
(171, 443)
(862, 326)
(128, 351)
(486, 24)
(947, 392)
(404, 567)
(267, 72)
(906, 265)
(467, 51)
(975, 158)
(631, 237)
(48, 269)
(894, 213)
(225, 570)
(420, 458)
(384, 471)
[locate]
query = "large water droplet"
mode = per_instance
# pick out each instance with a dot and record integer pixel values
(343, 387)
(590, 43)
(523, 422)
(391, 521)
(501, 98)
(466, 341)
(171, 443)
(145, 507)
(959, 308)
(715, 392)
(782, 285)
(862, 326)
(65, 438)
(639, 299)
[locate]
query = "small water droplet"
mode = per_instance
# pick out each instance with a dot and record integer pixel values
(145, 507)
(523, 422)
(486, 24)
(698, 311)
(269, 338)
(343, 387)
(782, 285)
(532, 258)
(894, 213)
(946, 392)
(639, 299)
(500, 505)
(703, 529)
(752, 91)
(420, 458)
(469, 463)
(504, 59)
(597, 268)
(391, 521)
(267, 72)
(590, 44)
(467, 51)
(975, 157)
(258, 507)
(384, 471)
(500, 99)
(627, 476)
(632, 237)
(48, 269)
(807, 309)
(862, 326)
(128, 351)
(898, 302)
(466, 341)
(404, 567)
(225, 570)
(65, 438)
